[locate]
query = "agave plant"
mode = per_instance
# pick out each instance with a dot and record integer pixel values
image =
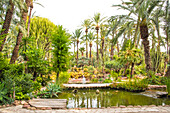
(53, 89)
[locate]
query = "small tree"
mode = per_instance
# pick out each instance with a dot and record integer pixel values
(60, 44)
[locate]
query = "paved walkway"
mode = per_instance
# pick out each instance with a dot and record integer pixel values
(143, 109)
(86, 85)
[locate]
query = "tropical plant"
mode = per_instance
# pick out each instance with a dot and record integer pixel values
(77, 34)
(87, 24)
(20, 33)
(97, 21)
(60, 43)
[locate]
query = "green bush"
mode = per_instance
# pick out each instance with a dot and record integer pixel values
(21, 96)
(168, 85)
(4, 95)
(134, 86)
(64, 77)
(94, 80)
(51, 91)
(107, 81)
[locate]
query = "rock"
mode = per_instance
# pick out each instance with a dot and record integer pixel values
(7, 105)
(29, 108)
(33, 108)
(138, 106)
(161, 94)
(49, 108)
(25, 106)
(75, 91)
(152, 105)
(114, 107)
(43, 108)
(3, 106)
(0, 106)
(121, 106)
(23, 102)
(97, 91)
(130, 106)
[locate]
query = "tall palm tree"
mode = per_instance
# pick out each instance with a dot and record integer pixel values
(138, 7)
(20, 34)
(73, 40)
(29, 20)
(97, 21)
(91, 38)
(7, 22)
(77, 34)
(87, 24)
(103, 32)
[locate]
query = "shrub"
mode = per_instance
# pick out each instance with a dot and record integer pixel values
(4, 95)
(64, 77)
(107, 81)
(135, 86)
(94, 80)
(51, 91)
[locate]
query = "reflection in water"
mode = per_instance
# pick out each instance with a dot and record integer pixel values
(107, 98)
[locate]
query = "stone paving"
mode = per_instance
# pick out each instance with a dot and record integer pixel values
(121, 109)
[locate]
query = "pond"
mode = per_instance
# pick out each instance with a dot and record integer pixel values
(87, 98)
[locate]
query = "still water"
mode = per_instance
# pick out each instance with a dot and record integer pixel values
(107, 98)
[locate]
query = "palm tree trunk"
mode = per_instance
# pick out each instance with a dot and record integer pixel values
(90, 52)
(29, 21)
(20, 34)
(136, 33)
(86, 43)
(103, 54)
(97, 29)
(6, 24)
(77, 52)
(132, 70)
(74, 47)
(112, 48)
(144, 35)
(118, 48)
(168, 71)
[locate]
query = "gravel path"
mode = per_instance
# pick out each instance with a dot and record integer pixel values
(135, 109)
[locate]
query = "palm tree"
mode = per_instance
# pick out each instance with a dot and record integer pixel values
(82, 49)
(73, 40)
(97, 21)
(103, 32)
(20, 34)
(77, 34)
(7, 22)
(87, 25)
(138, 7)
(31, 7)
(91, 38)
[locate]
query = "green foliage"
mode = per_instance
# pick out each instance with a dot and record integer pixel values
(83, 61)
(134, 86)
(155, 80)
(114, 64)
(107, 81)
(36, 86)
(36, 63)
(114, 75)
(4, 94)
(60, 43)
(168, 85)
(94, 80)
(51, 91)
(64, 77)
(21, 96)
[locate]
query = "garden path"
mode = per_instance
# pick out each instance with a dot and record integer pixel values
(122, 109)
